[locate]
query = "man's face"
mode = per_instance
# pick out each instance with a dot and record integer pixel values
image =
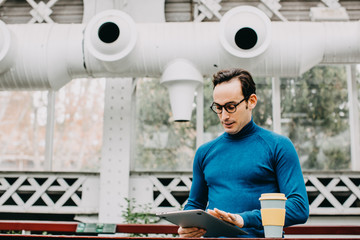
(230, 92)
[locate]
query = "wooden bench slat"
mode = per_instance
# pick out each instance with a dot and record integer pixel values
(317, 230)
(70, 227)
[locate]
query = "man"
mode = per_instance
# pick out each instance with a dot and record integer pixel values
(232, 171)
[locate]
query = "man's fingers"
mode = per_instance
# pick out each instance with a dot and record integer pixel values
(228, 217)
(223, 215)
(214, 213)
(220, 212)
(191, 232)
(199, 233)
(233, 217)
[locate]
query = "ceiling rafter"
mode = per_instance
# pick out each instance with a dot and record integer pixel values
(274, 6)
(207, 9)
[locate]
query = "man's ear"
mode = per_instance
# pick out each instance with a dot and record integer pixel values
(252, 101)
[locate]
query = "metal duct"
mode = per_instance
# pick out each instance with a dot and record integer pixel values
(245, 38)
(245, 32)
(209, 46)
(298, 46)
(341, 42)
(47, 56)
(109, 38)
(7, 49)
(295, 48)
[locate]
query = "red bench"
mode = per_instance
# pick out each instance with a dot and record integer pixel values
(63, 228)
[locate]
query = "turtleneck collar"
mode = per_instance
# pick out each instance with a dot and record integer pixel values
(245, 131)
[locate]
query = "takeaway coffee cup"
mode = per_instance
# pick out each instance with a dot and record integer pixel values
(273, 214)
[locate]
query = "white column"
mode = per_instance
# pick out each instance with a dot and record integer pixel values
(353, 117)
(200, 116)
(115, 156)
(50, 123)
(276, 105)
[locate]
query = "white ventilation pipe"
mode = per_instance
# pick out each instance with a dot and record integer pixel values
(7, 49)
(109, 38)
(144, 49)
(298, 46)
(341, 42)
(295, 48)
(245, 32)
(181, 78)
(244, 37)
(46, 56)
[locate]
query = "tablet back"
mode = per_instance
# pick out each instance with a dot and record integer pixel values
(199, 218)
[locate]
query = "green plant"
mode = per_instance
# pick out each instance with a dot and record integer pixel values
(138, 213)
(11, 232)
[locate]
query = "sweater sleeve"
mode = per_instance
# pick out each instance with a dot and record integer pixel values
(198, 196)
(290, 182)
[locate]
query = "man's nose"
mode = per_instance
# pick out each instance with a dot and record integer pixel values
(224, 114)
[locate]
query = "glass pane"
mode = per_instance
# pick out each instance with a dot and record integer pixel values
(22, 130)
(79, 110)
(315, 117)
(161, 143)
(262, 113)
(358, 87)
(212, 126)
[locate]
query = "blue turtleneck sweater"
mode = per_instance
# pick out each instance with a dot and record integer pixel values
(232, 171)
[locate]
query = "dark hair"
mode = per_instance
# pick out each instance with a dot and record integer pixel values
(247, 83)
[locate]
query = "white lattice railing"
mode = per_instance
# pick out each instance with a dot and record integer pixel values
(48, 192)
(333, 193)
(330, 193)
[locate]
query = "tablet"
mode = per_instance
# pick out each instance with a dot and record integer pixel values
(201, 219)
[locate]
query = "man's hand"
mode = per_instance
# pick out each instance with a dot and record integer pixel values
(191, 232)
(235, 219)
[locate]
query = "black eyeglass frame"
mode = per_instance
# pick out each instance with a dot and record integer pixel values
(225, 106)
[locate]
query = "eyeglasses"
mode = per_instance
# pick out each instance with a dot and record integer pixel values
(230, 107)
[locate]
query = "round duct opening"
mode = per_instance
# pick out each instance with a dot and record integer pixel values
(110, 36)
(245, 32)
(246, 38)
(109, 32)
(7, 50)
